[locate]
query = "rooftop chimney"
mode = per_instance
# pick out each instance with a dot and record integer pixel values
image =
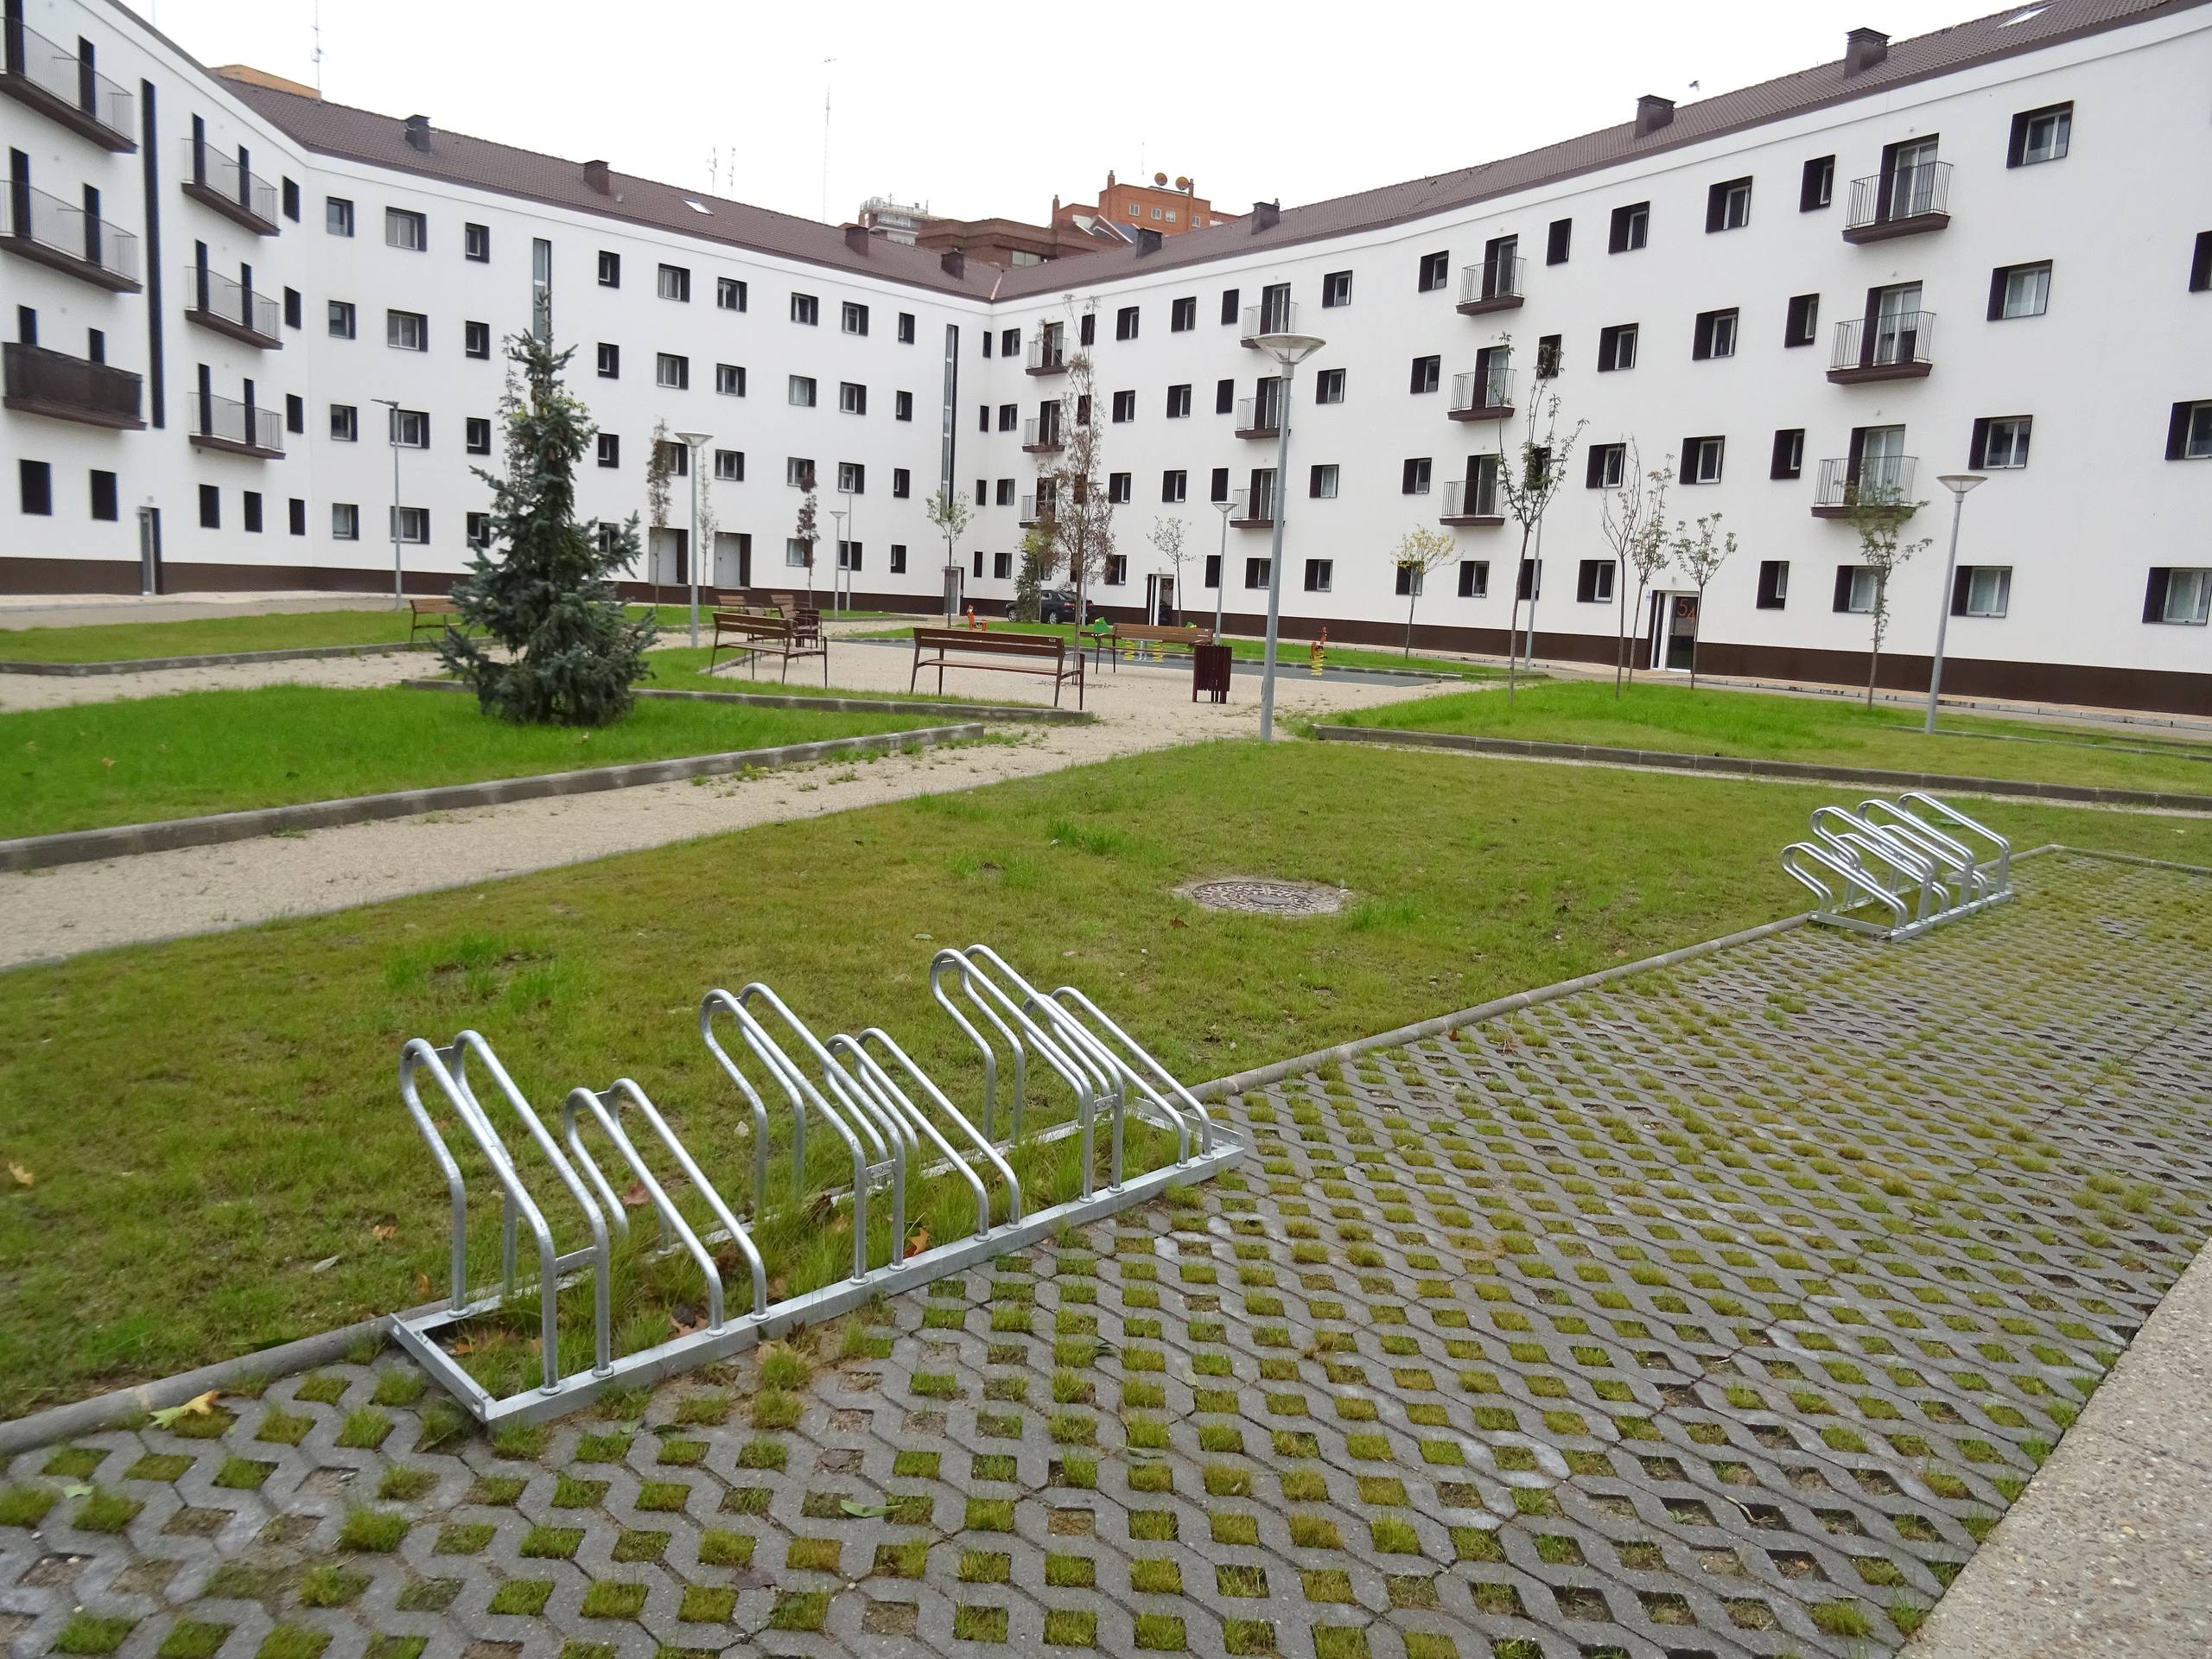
(856, 240)
(1148, 241)
(1265, 215)
(1863, 48)
(1653, 113)
(595, 176)
(952, 262)
(419, 133)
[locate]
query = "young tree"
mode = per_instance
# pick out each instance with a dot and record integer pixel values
(1528, 488)
(949, 512)
(1650, 555)
(1418, 551)
(1636, 529)
(707, 524)
(1166, 536)
(807, 532)
(656, 498)
(1701, 560)
(1083, 508)
(1879, 513)
(544, 591)
(1039, 547)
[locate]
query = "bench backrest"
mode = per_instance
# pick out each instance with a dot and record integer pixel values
(1001, 645)
(1163, 634)
(433, 607)
(748, 626)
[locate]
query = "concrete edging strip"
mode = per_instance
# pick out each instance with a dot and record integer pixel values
(1739, 767)
(218, 659)
(840, 705)
(119, 841)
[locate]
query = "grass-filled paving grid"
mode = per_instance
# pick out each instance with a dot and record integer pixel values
(1719, 1310)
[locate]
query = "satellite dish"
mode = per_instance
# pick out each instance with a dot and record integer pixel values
(1182, 184)
(1160, 178)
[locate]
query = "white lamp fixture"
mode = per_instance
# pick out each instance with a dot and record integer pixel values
(1221, 565)
(1960, 484)
(1290, 350)
(691, 564)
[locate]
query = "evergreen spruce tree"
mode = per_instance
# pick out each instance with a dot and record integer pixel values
(545, 590)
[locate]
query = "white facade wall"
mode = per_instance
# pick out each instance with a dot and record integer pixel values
(2098, 506)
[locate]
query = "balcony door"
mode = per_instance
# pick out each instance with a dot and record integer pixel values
(1881, 460)
(1896, 323)
(149, 550)
(1275, 308)
(1262, 499)
(1912, 186)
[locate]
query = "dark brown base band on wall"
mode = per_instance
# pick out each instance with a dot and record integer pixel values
(2164, 691)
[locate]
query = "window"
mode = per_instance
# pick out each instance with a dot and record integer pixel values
(1125, 406)
(2189, 432)
(341, 319)
(1086, 329)
(404, 229)
(1716, 335)
(1010, 417)
(799, 391)
(1117, 488)
(1424, 375)
(729, 379)
(1617, 347)
(344, 424)
(1183, 314)
(852, 399)
(1321, 576)
(480, 530)
(1981, 589)
(1228, 305)
(1179, 402)
(610, 360)
(1336, 290)
(292, 200)
(292, 308)
(344, 522)
(852, 478)
(1701, 460)
(1558, 240)
(905, 337)
(296, 413)
(407, 331)
(852, 318)
(1212, 576)
(1631, 228)
(987, 338)
(1788, 460)
(2178, 595)
(1854, 589)
(729, 466)
(1804, 318)
(297, 515)
(675, 283)
(104, 489)
(1005, 495)
(1175, 485)
(2200, 264)
(1256, 572)
(1728, 206)
(408, 428)
(2000, 443)
(1774, 584)
(902, 405)
(1607, 465)
(1593, 581)
(478, 436)
(1225, 396)
(730, 294)
(476, 242)
(902, 483)
(610, 269)
(1414, 478)
(412, 524)
(1117, 564)
(1474, 578)
(795, 555)
(1009, 342)
(35, 480)
(610, 449)
(1549, 350)
(799, 474)
(1816, 184)
(476, 339)
(1125, 323)
(337, 216)
(2020, 290)
(1329, 386)
(1217, 487)
(672, 371)
(899, 549)
(1322, 485)
(1002, 566)
(1435, 272)
(2040, 135)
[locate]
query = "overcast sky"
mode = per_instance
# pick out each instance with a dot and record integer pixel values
(990, 110)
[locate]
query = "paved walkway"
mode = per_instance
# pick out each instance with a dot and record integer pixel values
(1721, 1311)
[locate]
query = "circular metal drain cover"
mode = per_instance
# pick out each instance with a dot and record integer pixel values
(1259, 896)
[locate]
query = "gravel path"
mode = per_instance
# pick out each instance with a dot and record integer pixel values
(78, 907)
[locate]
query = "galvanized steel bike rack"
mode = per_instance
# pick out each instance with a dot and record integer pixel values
(887, 1117)
(1893, 869)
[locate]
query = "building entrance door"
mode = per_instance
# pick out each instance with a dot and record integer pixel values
(149, 550)
(1160, 601)
(1673, 630)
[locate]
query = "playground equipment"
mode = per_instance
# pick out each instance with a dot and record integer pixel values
(1893, 869)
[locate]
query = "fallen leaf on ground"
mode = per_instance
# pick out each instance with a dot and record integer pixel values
(918, 1241)
(76, 1489)
(23, 1177)
(677, 1328)
(201, 1405)
(635, 1196)
(422, 1286)
(383, 1232)
(864, 1510)
(325, 1265)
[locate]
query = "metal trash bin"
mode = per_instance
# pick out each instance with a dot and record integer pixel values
(1209, 673)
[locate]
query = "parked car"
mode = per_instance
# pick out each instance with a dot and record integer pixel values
(1056, 605)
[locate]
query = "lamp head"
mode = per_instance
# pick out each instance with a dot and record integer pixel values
(1959, 484)
(1290, 350)
(695, 439)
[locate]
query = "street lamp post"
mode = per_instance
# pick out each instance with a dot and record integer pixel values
(392, 433)
(1290, 350)
(691, 565)
(837, 516)
(844, 564)
(1960, 484)
(1221, 565)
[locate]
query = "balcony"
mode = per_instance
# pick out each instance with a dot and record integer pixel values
(1037, 511)
(63, 87)
(1478, 508)
(217, 303)
(49, 231)
(237, 429)
(1895, 347)
(1250, 509)
(1482, 395)
(1270, 317)
(1041, 437)
(1904, 202)
(217, 181)
(1047, 355)
(1259, 417)
(1494, 285)
(41, 382)
(1881, 481)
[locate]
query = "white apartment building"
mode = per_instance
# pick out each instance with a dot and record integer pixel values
(1985, 249)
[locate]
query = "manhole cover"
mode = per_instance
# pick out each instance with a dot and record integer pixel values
(1256, 895)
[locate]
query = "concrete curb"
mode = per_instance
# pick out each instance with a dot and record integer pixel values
(840, 705)
(1737, 766)
(221, 660)
(125, 840)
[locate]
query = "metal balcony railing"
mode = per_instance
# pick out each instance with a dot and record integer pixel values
(1482, 392)
(219, 297)
(1248, 507)
(65, 78)
(1902, 195)
(1492, 284)
(73, 388)
(1479, 502)
(54, 224)
(1038, 509)
(1048, 354)
(1269, 317)
(207, 167)
(1879, 479)
(1038, 434)
(1900, 342)
(233, 422)
(1259, 417)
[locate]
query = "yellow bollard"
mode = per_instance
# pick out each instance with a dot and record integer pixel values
(1320, 650)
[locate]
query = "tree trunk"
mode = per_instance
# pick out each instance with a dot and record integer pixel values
(1513, 626)
(1620, 652)
(1695, 638)
(1413, 597)
(1874, 654)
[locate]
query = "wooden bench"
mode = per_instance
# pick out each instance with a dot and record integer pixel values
(742, 633)
(433, 616)
(1150, 633)
(1043, 654)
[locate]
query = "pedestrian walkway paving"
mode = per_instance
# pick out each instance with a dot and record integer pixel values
(1719, 1310)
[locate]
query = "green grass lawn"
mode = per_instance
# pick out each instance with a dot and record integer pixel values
(1835, 730)
(206, 1120)
(142, 758)
(1293, 654)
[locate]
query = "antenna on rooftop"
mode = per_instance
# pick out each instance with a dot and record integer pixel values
(318, 48)
(826, 62)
